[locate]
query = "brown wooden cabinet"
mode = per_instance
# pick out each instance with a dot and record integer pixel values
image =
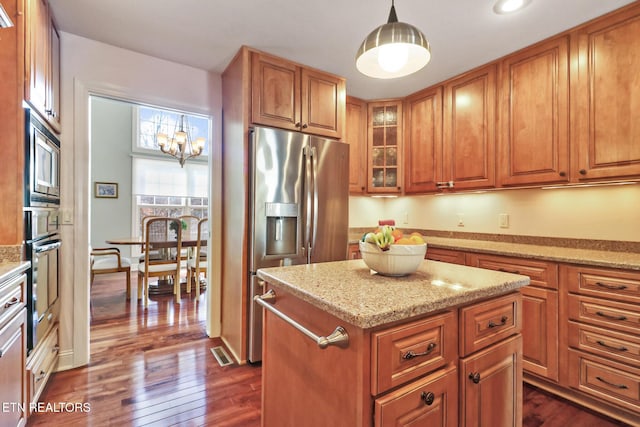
(491, 386)
(355, 135)
(423, 141)
(430, 401)
(384, 147)
(353, 251)
(289, 96)
(604, 93)
(603, 343)
(445, 255)
(539, 309)
(534, 115)
(42, 46)
(469, 130)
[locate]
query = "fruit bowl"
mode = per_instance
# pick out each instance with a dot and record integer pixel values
(399, 260)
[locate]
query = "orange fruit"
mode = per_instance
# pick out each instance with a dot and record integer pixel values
(397, 234)
(404, 241)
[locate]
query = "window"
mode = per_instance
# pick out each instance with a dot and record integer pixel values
(151, 120)
(162, 187)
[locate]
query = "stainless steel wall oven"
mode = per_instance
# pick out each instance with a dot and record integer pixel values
(41, 224)
(42, 248)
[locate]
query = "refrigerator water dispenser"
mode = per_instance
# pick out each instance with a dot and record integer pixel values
(282, 228)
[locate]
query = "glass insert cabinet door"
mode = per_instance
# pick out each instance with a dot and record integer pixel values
(385, 147)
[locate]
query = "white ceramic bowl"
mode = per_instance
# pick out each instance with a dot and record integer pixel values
(399, 260)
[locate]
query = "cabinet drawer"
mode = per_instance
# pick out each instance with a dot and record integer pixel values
(613, 284)
(610, 381)
(12, 298)
(429, 401)
(445, 255)
(405, 352)
(543, 274)
(12, 357)
(605, 342)
(608, 314)
(42, 364)
(488, 322)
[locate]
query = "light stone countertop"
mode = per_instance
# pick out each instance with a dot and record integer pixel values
(598, 258)
(10, 269)
(349, 291)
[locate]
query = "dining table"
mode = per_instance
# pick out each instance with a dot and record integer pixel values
(162, 286)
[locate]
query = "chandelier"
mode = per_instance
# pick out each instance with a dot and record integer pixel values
(180, 145)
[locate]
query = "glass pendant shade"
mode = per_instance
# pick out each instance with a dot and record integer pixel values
(395, 49)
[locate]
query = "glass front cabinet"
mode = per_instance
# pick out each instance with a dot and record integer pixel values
(385, 147)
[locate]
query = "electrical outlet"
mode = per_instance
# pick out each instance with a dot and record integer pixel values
(460, 219)
(405, 218)
(503, 220)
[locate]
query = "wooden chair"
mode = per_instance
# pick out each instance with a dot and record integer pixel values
(165, 235)
(197, 262)
(109, 260)
(155, 254)
(189, 231)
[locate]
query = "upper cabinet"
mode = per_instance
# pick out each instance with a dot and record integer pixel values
(289, 96)
(423, 141)
(42, 62)
(534, 115)
(355, 134)
(605, 94)
(470, 129)
(384, 151)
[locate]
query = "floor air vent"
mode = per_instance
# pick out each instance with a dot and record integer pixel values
(221, 356)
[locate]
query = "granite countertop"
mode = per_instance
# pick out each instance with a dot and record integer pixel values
(10, 269)
(349, 291)
(593, 257)
(609, 254)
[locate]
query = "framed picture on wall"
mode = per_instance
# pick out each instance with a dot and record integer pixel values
(106, 190)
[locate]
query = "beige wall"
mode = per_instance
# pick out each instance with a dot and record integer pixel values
(606, 213)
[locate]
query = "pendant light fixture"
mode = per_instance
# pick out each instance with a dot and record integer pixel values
(395, 49)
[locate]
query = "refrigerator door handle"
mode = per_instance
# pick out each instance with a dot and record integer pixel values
(308, 196)
(314, 158)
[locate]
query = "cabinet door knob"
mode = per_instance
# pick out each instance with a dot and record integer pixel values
(475, 377)
(427, 397)
(297, 124)
(582, 172)
(562, 173)
(304, 126)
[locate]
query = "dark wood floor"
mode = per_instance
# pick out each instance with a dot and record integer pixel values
(155, 368)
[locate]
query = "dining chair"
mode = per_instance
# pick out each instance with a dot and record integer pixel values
(189, 233)
(109, 260)
(197, 262)
(164, 235)
(155, 254)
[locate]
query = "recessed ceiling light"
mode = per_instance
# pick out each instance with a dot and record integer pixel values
(503, 7)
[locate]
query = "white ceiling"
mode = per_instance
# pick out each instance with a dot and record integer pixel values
(324, 34)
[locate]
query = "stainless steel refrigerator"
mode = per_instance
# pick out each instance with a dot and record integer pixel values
(299, 208)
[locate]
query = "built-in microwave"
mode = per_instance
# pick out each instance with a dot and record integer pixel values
(42, 163)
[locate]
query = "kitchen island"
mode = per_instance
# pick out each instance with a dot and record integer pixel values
(441, 346)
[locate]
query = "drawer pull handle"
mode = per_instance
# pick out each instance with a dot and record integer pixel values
(410, 354)
(504, 270)
(620, 386)
(503, 321)
(55, 348)
(475, 377)
(12, 301)
(614, 287)
(428, 397)
(604, 344)
(608, 316)
(41, 376)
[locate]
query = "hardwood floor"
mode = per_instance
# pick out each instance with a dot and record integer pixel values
(155, 368)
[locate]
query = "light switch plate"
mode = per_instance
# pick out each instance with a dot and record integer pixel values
(503, 220)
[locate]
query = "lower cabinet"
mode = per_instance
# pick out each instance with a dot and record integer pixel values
(13, 346)
(41, 364)
(430, 401)
(353, 251)
(491, 385)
